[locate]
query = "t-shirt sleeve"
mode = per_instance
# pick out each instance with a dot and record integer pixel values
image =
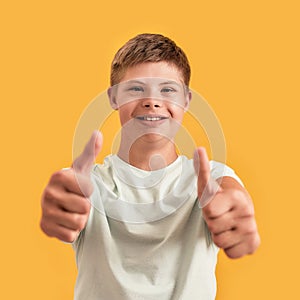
(218, 170)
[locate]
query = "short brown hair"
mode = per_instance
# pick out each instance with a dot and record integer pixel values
(149, 48)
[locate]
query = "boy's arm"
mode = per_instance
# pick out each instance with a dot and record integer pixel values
(227, 209)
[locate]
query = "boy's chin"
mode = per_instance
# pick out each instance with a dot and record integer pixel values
(155, 138)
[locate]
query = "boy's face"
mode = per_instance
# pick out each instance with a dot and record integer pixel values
(152, 98)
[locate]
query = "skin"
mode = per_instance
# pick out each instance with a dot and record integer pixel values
(143, 148)
(228, 209)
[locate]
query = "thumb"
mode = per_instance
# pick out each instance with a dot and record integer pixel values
(207, 186)
(83, 164)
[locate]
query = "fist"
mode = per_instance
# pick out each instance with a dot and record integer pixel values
(65, 204)
(227, 210)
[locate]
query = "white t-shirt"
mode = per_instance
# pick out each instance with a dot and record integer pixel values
(145, 237)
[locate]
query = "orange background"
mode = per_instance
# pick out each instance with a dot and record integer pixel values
(55, 58)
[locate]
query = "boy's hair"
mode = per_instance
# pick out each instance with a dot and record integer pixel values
(149, 48)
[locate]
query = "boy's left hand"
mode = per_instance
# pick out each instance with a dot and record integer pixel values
(227, 209)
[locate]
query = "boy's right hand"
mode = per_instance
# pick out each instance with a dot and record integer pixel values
(65, 203)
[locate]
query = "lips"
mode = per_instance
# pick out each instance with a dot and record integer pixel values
(151, 117)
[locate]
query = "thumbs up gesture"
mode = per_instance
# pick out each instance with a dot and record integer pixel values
(227, 210)
(65, 204)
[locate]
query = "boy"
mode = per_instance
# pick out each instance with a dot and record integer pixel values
(155, 220)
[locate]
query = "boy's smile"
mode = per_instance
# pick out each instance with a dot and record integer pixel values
(151, 120)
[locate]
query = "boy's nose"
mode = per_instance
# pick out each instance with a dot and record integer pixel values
(151, 103)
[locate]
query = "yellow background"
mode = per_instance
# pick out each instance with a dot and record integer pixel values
(55, 58)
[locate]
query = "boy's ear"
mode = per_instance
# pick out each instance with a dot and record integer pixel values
(188, 99)
(112, 99)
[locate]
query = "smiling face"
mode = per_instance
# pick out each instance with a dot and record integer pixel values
(151, 98)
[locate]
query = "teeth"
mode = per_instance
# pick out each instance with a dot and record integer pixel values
(152, 119)
(148, 118)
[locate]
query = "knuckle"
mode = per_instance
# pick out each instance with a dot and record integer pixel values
(57, 176)
(237, 194)
(253, 243)
(68, 236)
(210, 210)
(60, 176)
(251, 227)
(49, 193)
(81, 222)
(50, 213)
(211, 226)
(44, 226)
(247, 210)
(242, 203)
(233, 254)
(86, 206)
(77, 221)
(71, 235)
(219, 241)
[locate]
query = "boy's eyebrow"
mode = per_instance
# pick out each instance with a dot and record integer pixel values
(170, 82)
(135, 81)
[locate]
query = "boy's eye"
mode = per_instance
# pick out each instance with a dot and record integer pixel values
(136, 89)
(167, 90)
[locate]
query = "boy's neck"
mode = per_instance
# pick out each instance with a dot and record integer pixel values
(147, 155)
